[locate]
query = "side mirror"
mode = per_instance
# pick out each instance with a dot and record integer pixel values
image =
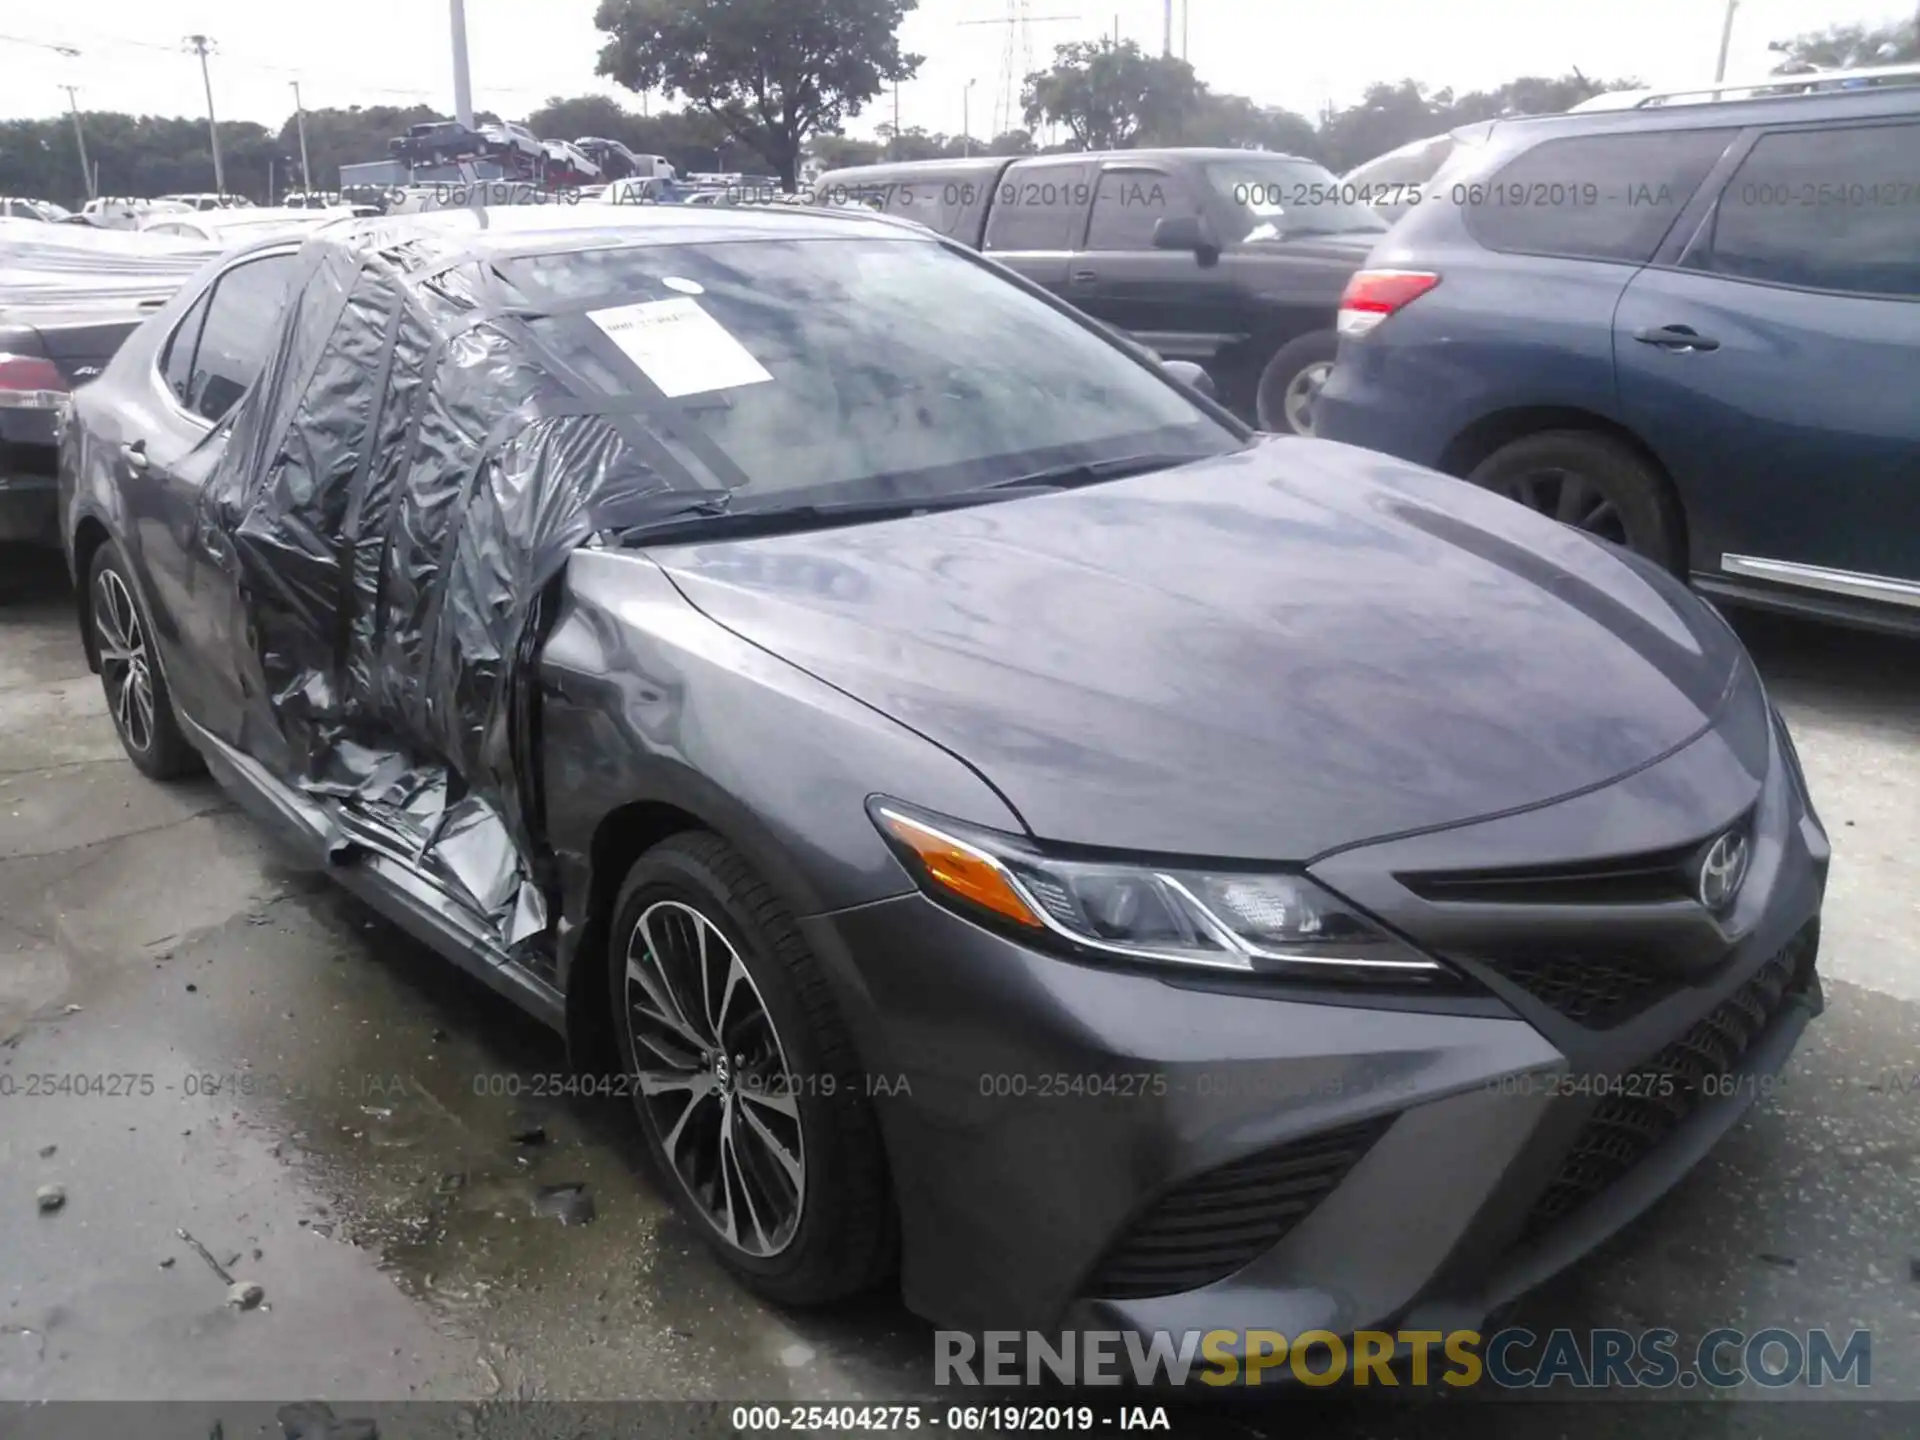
(1187, 232)
(1194, 377)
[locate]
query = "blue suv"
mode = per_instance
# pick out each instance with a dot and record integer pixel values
(1690, 328)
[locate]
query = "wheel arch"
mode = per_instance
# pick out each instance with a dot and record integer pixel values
(88, 536)
(1502, 427)
(619, 837)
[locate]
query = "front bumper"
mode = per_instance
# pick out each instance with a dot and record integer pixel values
(1069, 1141)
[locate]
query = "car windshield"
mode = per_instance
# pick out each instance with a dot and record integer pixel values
(1281, 199)
(852, 370)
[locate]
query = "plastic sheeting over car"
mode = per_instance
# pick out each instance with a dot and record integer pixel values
(401, 486)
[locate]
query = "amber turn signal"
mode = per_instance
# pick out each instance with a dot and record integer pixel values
(960, 869)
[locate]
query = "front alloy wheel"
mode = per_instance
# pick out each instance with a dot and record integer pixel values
(746, 1082)
(715, 1079)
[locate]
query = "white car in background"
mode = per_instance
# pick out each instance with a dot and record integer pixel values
(122, 212)
(17, 207)
(230, 227)
(564, 155)
(507, 137)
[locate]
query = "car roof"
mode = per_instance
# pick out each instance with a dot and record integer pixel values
(949, 165)
(1875, 102)
(435, 239)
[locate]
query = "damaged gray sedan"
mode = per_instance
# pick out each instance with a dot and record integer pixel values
(994, 818)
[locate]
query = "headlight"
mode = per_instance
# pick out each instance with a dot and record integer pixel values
(1254, 922)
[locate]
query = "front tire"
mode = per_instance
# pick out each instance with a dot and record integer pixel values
(1292, 381)
(138, 701)
(1592, 482)
(747, 1086)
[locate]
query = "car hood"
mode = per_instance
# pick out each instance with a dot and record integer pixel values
(1267, 655)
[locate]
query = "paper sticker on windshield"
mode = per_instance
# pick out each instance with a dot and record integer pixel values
(680, 347)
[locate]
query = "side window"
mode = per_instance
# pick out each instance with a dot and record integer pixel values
(1129, 203)
(1834, 209)
(1589, 197)
(1038, 207)
(176, 360)
(241, 321)
(915, 200)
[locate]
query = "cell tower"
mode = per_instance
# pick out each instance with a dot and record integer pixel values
(1018, 48)
(1016, 51)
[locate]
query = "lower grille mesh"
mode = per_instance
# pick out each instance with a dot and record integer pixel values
(1208, 1227)
(1595, 993)
(1624, 1128)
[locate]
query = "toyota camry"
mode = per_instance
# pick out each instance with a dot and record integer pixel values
(1006, 829)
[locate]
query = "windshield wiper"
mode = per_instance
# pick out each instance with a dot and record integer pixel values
(1092, 472)
(702, 522)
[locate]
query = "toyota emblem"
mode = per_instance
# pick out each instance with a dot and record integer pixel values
(1721, 872)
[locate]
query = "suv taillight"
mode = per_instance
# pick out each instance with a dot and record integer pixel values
(31, 382)
(1372, 295)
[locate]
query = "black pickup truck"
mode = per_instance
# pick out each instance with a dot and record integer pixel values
(1232, 259)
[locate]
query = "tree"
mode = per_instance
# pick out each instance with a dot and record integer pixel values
(771, 72)
(1106, 94)
(1848, 47)
(913, 143)
(1236, 122)
(689, 140)
(837, 152)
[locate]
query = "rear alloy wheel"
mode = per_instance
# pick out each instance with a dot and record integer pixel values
(748, 1089)
(1592, 482)
(136, 692)
(1292, 382)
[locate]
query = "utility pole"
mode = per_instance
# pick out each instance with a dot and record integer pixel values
(896, 110)
(1726, 42)
(300, 117)
(199, 45)
(966, 119)
(1166, 29)
(80, 138)
(462, 82)
(1186, 6)
(1116, 32)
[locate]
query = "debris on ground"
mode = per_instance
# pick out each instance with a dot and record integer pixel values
(569, 1204)
(71, 1010)
(47, 1150)
(1785, 1261)
(527, 1130)
(206, 1255)
(166, 1262)
(245, 1294)
(315, 1420)
(50, 1198)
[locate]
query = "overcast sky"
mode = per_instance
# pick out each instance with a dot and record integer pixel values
(367, 52)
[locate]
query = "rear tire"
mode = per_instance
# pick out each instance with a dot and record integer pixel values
(138, 700)
(1593, 482)
(1291, 381)
(768, 1140)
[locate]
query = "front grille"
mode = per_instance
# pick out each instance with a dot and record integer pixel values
(1206, 1228)
(1598, 994)
(1624, 1128)
(1648, 878)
